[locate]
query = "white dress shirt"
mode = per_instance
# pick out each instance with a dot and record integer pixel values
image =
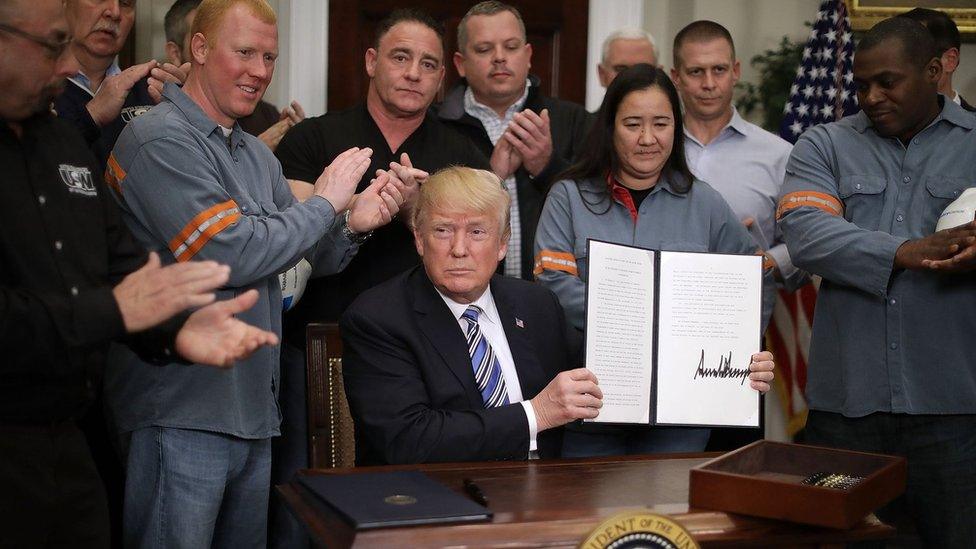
(494, 332)
(495, 127)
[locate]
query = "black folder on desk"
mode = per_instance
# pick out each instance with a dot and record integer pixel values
(398, 498)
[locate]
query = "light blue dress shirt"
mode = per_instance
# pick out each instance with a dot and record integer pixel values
(746, 165)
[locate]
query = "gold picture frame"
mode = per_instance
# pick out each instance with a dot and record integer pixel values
(865, 13)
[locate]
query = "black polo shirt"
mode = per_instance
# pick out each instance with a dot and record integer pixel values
(62, 247)
(311, 146)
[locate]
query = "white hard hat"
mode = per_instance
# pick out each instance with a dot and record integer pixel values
(960, 212)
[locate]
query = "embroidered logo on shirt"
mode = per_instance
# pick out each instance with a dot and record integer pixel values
(78, 180)
(129, 113)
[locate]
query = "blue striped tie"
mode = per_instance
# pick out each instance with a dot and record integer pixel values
(487, 371)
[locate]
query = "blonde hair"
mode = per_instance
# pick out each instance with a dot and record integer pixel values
(212, 12)
(460, 189)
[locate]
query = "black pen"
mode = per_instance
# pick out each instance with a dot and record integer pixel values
(475, 492)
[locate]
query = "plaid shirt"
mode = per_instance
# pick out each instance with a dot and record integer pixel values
(495, 126)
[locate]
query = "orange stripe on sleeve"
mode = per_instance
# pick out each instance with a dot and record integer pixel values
(821, 201)
(114, 174)
(116, 169)
(549, 260)
(205, 237)
(113, 182)
(200, 219)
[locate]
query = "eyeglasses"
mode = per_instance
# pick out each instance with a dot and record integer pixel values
(54, 49)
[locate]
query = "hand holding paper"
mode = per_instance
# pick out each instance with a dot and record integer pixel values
(761, 371)
(569, 396)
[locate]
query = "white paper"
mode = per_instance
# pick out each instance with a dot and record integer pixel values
(620, 328)
(709, 327)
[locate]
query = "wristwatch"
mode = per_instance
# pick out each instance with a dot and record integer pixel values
(356, 238)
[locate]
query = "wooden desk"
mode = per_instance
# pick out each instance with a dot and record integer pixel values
(558, 503)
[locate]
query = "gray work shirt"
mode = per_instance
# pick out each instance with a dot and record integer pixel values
(191, 193)
(696, 221)
(883, 340)
(746, 165)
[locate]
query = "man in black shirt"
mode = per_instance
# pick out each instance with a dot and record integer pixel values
(406, 67)
(71, 282)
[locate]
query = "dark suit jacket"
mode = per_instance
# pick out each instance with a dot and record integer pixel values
(965, 105)
(410, 383)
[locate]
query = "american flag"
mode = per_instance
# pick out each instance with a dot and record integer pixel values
(822, 92)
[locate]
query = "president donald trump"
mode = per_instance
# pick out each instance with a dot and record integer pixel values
(451, 362)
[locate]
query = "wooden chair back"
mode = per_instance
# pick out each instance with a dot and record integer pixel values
(331, 442)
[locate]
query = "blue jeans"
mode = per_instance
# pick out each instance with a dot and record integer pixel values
(940, 498)
(187, 488)
(615, 440)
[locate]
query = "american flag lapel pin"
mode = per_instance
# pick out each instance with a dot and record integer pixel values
(519, 323)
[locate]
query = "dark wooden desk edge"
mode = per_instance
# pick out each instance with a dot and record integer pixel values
(465, 465)
(709, 528)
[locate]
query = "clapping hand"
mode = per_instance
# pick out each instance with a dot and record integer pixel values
(529, 135)
(412, 178)
(153, 293)
(213, 336)
(339, 180)
(504, 158)
(376, 206)
(290, 115)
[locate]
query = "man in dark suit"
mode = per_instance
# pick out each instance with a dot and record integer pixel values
(451, 362)
(949, 43)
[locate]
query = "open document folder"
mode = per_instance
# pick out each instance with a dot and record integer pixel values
(670, 335)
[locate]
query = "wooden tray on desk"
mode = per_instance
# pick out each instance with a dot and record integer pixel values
(764, 479)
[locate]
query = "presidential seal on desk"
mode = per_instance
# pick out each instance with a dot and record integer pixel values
(639, 530)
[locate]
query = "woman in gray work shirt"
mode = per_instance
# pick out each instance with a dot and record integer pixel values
(632, 186)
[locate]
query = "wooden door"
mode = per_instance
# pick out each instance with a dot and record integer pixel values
(556, 30)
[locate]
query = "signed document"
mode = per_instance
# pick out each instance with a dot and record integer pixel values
(670, 335)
